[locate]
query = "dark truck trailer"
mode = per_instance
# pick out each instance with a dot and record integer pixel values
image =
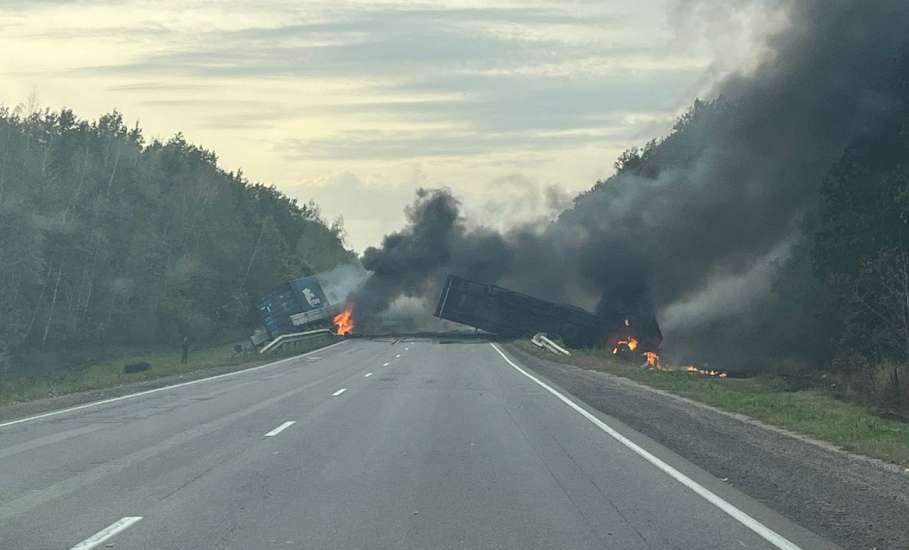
(511, 314)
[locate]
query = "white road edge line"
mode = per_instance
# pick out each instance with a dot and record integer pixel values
(280, 428)
(163, 388)
(367, 375)
(120, 525)
(339, 392)
(763, 531)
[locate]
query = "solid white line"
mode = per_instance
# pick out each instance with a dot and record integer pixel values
(339, 392)
(163, 388)
(367, 375)
(106, 533)
(763, 531)
(281, 428)
(384, 364)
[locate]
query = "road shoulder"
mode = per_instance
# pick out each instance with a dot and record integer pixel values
(26, 409)
(849, 500)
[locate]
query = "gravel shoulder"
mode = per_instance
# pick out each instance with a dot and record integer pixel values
(853, 501)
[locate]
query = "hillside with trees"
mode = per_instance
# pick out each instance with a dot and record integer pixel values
(109, 241)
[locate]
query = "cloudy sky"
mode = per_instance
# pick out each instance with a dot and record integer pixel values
(355, 104)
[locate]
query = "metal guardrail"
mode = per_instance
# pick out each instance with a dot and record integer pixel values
(541, 341)
(284, 339)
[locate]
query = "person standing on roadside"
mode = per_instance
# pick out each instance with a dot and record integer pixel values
(185, 358)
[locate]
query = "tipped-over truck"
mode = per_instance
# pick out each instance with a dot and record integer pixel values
(307, 303)
(511, 314)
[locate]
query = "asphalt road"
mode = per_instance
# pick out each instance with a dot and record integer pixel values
(367, 444)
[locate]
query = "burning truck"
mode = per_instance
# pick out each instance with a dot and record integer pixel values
(308, 303)
(325, 301)
(510, 314)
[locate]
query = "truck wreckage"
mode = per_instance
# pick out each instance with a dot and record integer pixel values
(510, 314)
(322, 303)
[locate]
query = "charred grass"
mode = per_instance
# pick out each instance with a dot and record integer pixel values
(814, 408)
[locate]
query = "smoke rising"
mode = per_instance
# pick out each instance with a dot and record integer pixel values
(691, 228)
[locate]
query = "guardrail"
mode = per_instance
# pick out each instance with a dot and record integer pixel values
(285, 339)
(541, 341)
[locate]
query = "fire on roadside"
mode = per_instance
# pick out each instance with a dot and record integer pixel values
(343, 321)
(651, 360)
(706, 372)
(631, 343)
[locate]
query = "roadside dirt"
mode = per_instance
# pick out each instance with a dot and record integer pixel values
(849, 500)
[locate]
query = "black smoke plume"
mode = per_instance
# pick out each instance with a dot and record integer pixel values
(693, 226)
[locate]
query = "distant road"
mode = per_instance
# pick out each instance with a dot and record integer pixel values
(368, 444)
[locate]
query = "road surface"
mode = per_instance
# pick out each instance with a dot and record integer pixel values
(366, 444)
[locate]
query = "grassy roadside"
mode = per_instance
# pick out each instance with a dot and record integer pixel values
(109, 373)
(769, 399)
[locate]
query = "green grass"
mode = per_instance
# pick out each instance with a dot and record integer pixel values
(769, 398)
(109, 373)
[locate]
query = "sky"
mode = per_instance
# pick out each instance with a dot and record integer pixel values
(516, 106)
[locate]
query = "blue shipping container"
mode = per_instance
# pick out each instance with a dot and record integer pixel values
(297, 296)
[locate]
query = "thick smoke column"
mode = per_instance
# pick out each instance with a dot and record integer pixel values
(693, 228)
(435, 240)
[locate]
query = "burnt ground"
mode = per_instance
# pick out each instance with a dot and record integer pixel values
(852, 501)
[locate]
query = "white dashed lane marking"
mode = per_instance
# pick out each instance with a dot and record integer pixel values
(120, 525)
(339, 392)
(367, 375)
(281, 428)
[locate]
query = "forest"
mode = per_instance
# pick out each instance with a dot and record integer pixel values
(108, 241)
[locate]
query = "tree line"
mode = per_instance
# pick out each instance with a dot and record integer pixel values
(106, 240)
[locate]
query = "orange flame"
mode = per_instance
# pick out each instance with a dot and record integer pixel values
(631, 343)
(651, 359)
(344, 321)
(706, 372)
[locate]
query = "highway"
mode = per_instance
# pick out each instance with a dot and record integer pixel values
(366, 444)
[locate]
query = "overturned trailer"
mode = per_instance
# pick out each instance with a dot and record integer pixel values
(511, 314)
